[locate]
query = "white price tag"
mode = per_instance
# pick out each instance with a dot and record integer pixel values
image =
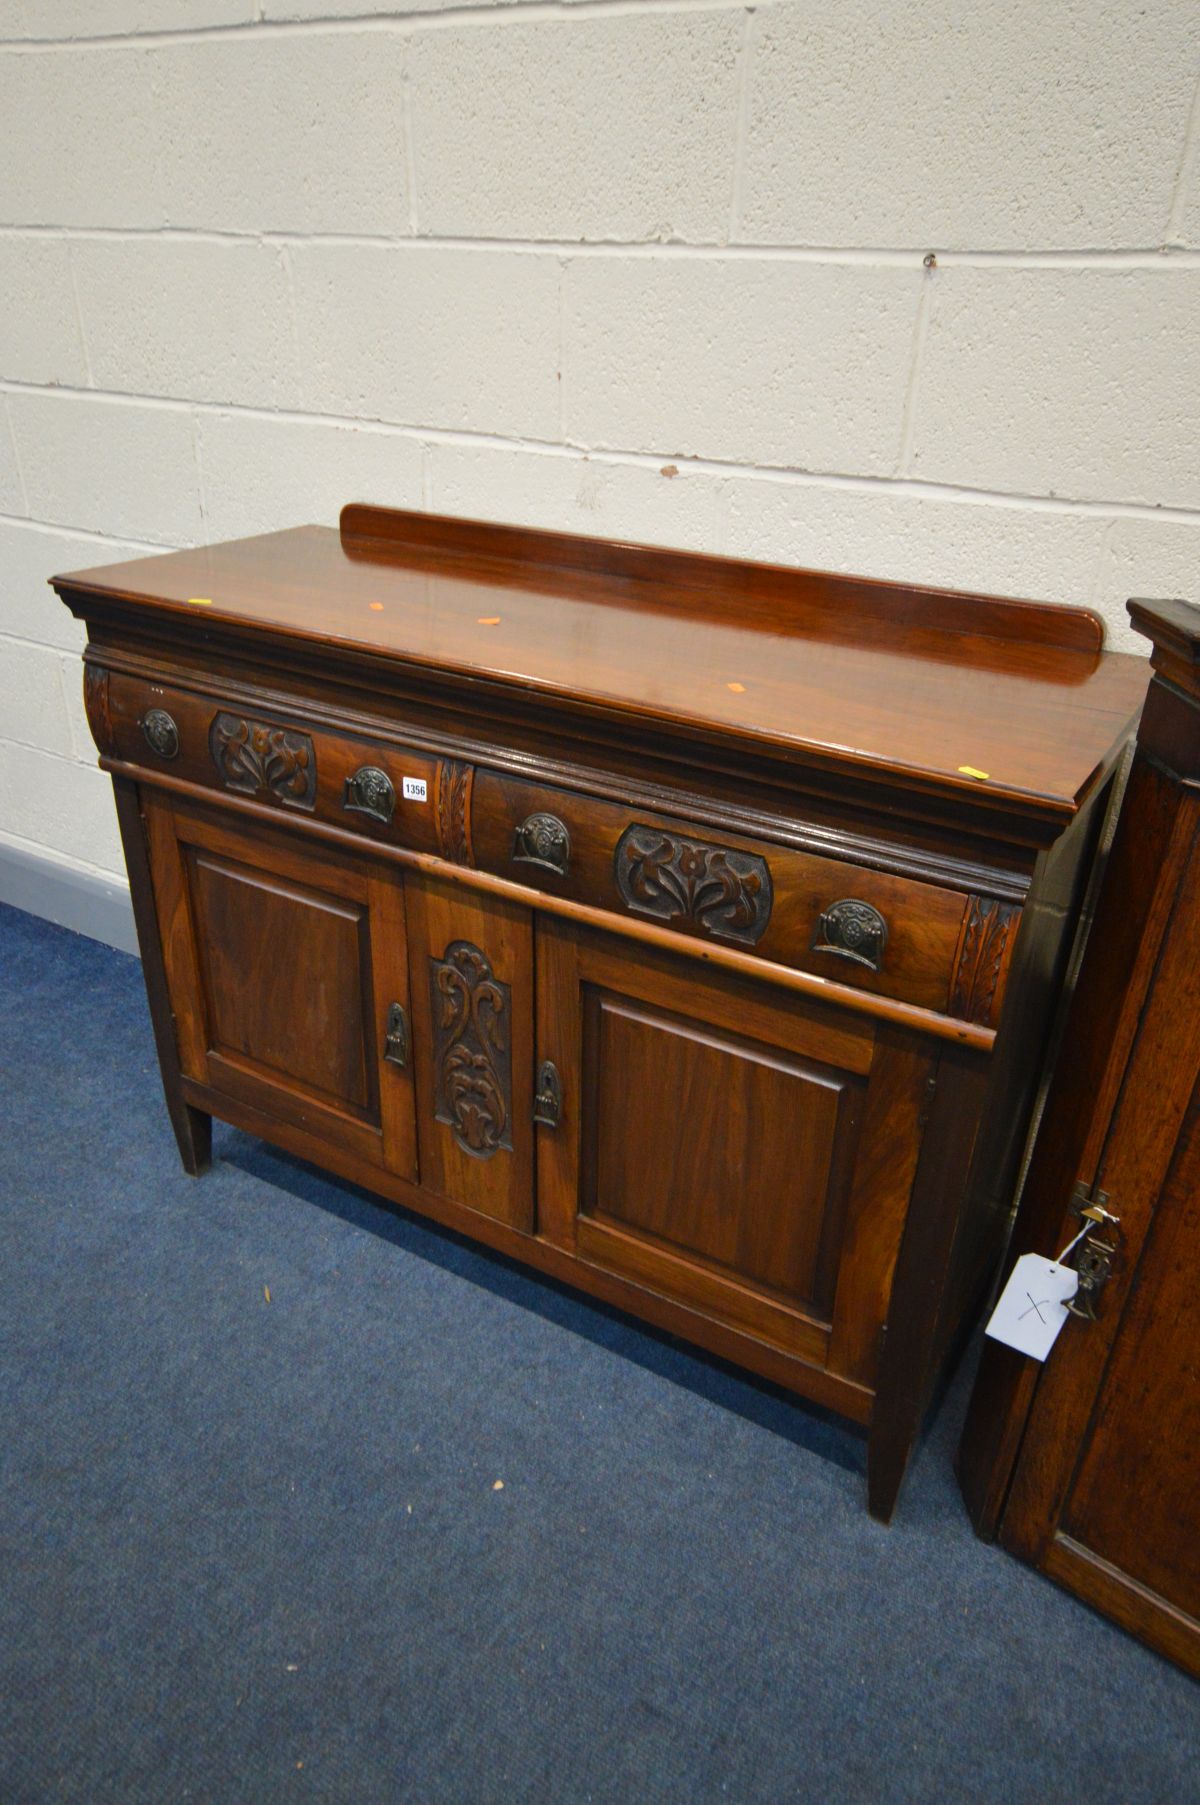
(414, 789)
(1032, 1307)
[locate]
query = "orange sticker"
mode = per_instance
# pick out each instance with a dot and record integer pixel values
(739, 689)
(375, 607)
(489, 620)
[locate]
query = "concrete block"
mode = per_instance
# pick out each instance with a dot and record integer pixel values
(80, 137)
(39, 338)
(12, 496)
(100, 18)
(584, 128)
(287, 133)
(354, 9)
(967, 126)
(570, 492)
(70, 673)
(802, 365)
(29, 556)
(58, 803)
(109, 466)
(188, 319)
(995, 548)
(427, 337)
(261, 475)
(35, 710)
(1144, 556)
(1189, 229)
(1078, 382)
(291, 133)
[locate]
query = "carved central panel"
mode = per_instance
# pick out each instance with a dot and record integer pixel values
(471, 1050)
(723, 892)
(252, 756)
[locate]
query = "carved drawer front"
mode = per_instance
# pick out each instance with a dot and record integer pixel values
(919, 943)
(279, 759)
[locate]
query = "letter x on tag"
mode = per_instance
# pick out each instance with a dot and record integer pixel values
(1032, 1307)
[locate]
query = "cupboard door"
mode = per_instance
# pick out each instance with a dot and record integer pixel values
(472, 989)
(709, 1135)
(288, 973)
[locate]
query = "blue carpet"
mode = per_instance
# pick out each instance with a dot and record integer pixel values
(255, 1551)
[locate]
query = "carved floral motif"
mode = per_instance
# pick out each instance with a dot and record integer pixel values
(471, 1050)
(725, 893)
(252, 756)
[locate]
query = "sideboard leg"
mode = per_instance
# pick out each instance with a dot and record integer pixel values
(888, 1449)
(193, 1133)
(193, 1128)
(931, 1294)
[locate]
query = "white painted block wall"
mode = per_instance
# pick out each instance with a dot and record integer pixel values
(646, 268)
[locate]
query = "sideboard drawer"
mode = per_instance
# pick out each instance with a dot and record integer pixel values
(380, 789)
(866, 928)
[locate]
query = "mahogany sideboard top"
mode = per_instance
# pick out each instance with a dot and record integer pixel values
(979, 699)
(687, 927)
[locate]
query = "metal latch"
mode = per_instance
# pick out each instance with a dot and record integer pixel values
(1098, 1251)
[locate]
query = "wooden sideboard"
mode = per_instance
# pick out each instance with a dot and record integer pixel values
(1089, 1466)
(684, 927)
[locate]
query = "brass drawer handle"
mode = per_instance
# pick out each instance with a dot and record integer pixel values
(161, 732)
(852, 930)
(547, 1102)
(370, 791)
(395, 1038)
(543, 840)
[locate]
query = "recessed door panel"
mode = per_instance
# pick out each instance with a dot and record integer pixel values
(257, 936)
(732, 1151)
(289, 973)
(709, 1133)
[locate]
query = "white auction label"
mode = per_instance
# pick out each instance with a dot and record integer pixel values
(1032, 1307)
(414, 789)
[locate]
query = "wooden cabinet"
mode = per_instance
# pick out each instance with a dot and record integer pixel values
(686, 928)
(1089, 1466)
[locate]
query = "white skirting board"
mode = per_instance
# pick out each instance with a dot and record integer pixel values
(89, 902)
